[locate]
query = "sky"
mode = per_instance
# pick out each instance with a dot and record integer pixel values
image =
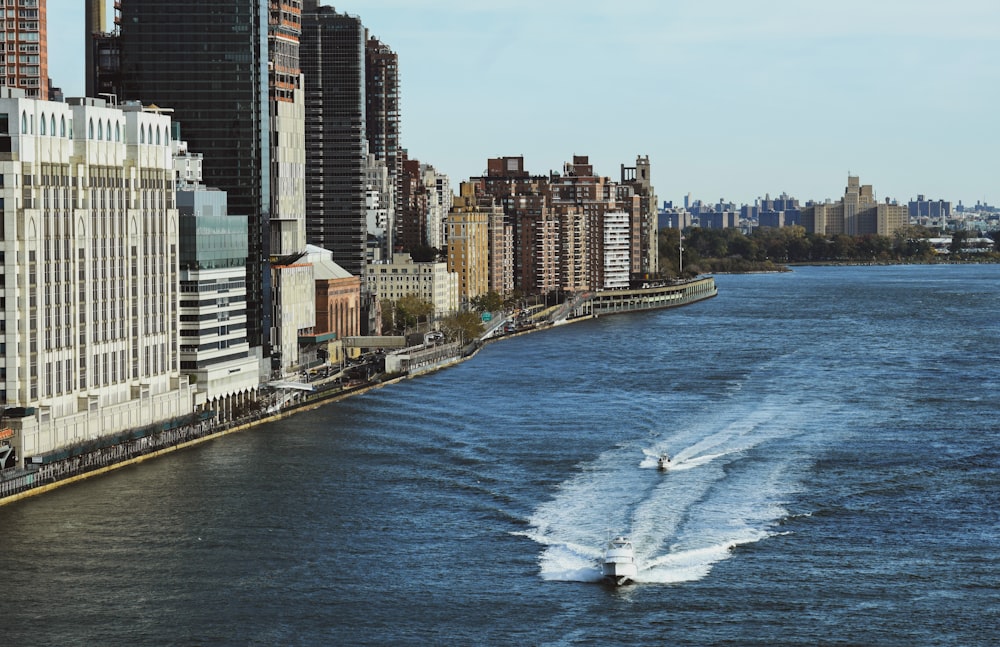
(730, 99)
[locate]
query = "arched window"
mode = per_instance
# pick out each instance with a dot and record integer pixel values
(142, 135)
(157, 136)
(149, 135)
(43, 126)
(109, 130)
(62, 126)
(52, 125)
(118, 132)
(24, 123)
(90, 129)
(100, 129)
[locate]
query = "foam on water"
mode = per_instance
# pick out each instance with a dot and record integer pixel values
(730, 473)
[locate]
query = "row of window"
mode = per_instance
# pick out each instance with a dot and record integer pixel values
(102, 132)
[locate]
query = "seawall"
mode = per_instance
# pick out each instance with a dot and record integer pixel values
(587, 306)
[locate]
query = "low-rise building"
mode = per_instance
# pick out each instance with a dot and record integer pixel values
(338, 305)
(431, 282)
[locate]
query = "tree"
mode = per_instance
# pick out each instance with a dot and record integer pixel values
(424, 254)
(958, 241)
(995, 235)
(842, 247)
(514, 299)
(464, 326)
(411, 309)
(489, 302)
(668, 244)
(408, 311)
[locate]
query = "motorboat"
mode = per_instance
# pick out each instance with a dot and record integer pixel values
(619, 561)
(663, 462)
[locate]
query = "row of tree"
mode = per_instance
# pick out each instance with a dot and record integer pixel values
(768, 249)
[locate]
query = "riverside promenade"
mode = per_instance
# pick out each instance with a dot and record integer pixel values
(101, 456)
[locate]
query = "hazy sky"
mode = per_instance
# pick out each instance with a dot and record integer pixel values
(729, 98)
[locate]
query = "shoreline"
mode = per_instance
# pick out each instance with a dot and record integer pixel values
(320, 400)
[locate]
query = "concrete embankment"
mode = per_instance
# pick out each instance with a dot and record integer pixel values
(86, 466)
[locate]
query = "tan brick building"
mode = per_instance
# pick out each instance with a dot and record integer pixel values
(856, 214)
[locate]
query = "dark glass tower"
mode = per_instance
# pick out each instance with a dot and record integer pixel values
(332, 57)
(207, 60)
(382, 118)
(382, 103)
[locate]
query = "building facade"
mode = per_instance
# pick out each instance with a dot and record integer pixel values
(617, 250)
(228, 70)
(430, 282)
(338, 305)
(857, 213)
(333, 61)
(90, 258)
(25, 56)
(383, 121)
(215, 352)
(468, 245)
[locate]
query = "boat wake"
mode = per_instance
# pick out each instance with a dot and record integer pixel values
(728, 481)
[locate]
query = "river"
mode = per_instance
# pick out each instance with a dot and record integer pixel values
(835, 480)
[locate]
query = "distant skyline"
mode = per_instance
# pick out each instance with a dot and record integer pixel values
(729, 98)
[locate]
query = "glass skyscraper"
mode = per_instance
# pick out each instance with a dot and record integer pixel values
(207, 61)
(332, 58)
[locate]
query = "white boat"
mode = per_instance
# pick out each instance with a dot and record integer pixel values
(619, 561)
(663, 462)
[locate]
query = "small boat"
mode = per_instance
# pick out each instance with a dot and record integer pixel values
(663, 462)
(619, 562)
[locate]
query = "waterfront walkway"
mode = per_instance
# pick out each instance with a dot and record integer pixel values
(16, 484)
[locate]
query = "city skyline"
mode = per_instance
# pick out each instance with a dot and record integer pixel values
(730, 100)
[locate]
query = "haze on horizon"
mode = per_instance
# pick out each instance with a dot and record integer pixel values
(729, 98)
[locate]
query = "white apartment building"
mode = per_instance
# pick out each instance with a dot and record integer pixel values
(616, 250)
(88, 273)
(439, 203)
(431, 282)
(379, 202)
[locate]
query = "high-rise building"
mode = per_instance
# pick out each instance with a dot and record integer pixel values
(228, 71)
(644, 249)
(439, 199)
(89, 259)
(102, 56)
(617, 239)
(333, 61)
(214, 348)
(468, 244)
(857, 213)
(412, 210)
(24, 59)
(382, 119)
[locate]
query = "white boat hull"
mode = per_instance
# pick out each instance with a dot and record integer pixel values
(619, 565)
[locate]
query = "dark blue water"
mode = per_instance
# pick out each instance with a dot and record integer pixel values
(836, 480)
